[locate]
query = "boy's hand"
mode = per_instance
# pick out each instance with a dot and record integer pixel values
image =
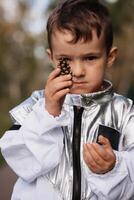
(55, 91)
(99, 158)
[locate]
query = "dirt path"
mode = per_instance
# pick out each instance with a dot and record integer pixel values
(7, 180)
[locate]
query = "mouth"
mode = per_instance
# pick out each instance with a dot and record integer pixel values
(79, 83)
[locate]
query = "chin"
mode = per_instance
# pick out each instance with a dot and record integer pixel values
(83, 90)
(78, 91)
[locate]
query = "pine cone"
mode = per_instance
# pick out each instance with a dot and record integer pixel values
(64, 65)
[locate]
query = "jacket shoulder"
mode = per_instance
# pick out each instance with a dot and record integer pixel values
(19, 113)
(122, 100)
(122, 105)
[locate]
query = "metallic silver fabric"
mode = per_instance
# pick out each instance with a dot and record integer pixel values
(104, 107)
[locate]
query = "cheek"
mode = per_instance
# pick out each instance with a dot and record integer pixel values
(95, 72)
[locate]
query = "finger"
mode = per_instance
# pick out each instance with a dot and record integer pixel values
(104, 141)
(93, 166)
(95, 155)
(87, 157)
(103, 153)
(61, 93)
(60, 86)
(64, 78)
(107, 154)
(54, 73)
(62, 81)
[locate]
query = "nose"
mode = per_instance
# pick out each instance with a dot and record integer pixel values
(77, 69)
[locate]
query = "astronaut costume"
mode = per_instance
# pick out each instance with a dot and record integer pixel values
(39, 148)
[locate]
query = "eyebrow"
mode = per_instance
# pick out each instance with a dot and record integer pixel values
(92, 54)
(83, 55)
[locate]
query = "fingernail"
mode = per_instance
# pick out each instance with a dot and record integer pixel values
(69, 76)
(57, 68)
(101, 137)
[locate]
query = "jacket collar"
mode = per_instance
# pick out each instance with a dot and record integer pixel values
(86, 100)
(19, 113)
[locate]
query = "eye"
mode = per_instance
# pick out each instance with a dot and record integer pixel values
(90, 58)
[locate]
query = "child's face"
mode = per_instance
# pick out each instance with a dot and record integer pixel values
(88, 60)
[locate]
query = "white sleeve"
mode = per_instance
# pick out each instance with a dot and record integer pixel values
(119, 182)
(36, 147)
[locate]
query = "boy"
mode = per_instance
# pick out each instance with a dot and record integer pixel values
(55, 149)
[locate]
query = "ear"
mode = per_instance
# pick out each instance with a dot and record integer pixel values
(50, 55)
(112, 56)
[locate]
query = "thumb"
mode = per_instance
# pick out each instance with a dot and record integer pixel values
(104, 141)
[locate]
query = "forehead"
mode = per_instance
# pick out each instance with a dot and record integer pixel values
(62, 41)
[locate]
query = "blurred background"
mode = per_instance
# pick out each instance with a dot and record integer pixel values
(24, 65)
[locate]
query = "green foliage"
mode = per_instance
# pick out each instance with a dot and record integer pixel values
(122, 14)
(52, 4)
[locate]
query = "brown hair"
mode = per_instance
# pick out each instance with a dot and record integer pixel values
(81, 17)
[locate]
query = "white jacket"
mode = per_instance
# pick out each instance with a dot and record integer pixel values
(40, 152)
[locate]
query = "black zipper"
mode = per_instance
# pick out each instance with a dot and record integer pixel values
(76, 153)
